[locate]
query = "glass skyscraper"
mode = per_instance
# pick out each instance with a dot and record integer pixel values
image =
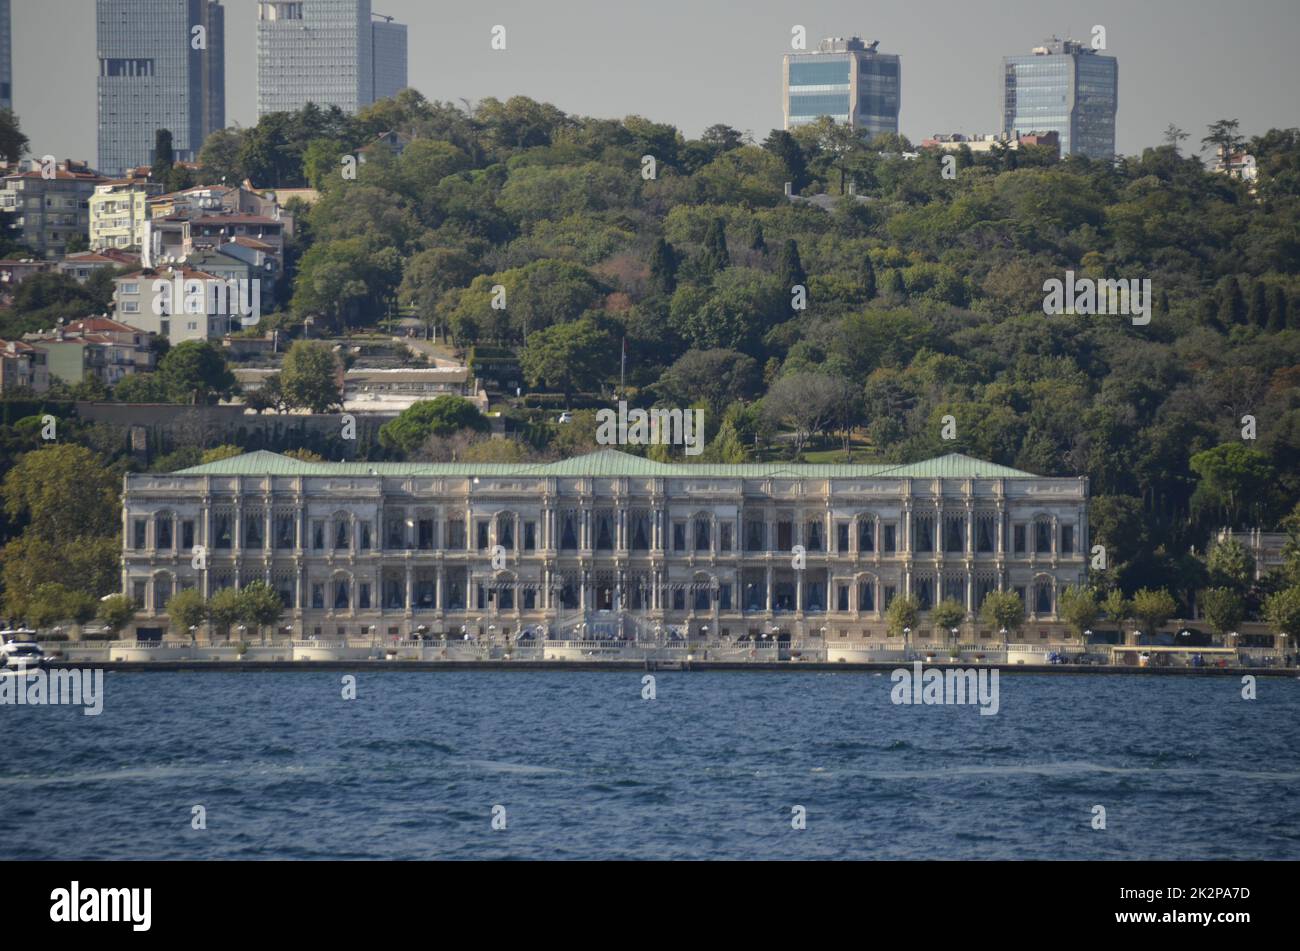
(152, 76)
(847, 80)
(6, 58)
(389, 57)
(1067, 88)
(327, 52)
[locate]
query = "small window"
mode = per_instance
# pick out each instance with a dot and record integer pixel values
(1018, 539)
(1067, 539)
(679, 536)
(724, 537)
(139, 531)
(842, 537)
(530, 536)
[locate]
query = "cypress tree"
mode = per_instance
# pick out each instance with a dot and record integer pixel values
(1276, 308)
(716, 257)
(164, 155)
(663, 267)
(756, 241)
(1258, 309)
(791, 268)
(868, 277)
(1232, 304)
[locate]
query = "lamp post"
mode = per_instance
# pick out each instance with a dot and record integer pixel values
(907, 632)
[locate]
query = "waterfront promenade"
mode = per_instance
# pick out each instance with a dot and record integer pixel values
(717, 655)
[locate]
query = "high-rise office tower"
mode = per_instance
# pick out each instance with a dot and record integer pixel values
(324, 51)
(6, 58)
(389, 56)
(1067, 88)
(847, 80)
(161, 66)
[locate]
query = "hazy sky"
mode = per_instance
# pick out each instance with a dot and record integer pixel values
(695, 63)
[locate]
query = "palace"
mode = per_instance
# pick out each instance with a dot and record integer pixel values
(607, 544)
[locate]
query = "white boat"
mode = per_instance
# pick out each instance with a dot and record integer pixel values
(19, 650)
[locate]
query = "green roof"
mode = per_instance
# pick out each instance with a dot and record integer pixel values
(610, 463)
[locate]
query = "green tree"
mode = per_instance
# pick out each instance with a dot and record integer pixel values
(62, 493)
(442, 416)
(1232, 303)
(116, 611)
(1231, 565)
(1224, 136)
(1152, 608)
(1079, 608)
(789, 268)
(903, 612)
(13, 144)
(164, 156)
(1234, 480)
(1116, 607)
(1003, 610)
(716, 257)
(261, 606)
(786, 148)
(52, 602)
(1223, 608)
(663, 268)
(226, 608)
(948, 614)
(566, 357)
(309, 377)
(187, 609)
(1282, 611)
(196, 372)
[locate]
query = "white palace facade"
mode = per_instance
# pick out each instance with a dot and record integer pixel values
(607, 544)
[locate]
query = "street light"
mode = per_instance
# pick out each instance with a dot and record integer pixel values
(907, 632)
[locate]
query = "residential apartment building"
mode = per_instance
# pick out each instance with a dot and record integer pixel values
(99, 346)
(1067, 88)
(177, 302)
(991, 142)
(615, 542)
(82, 265)
(50, 205)
(23, 367)
(161, 66)
(118, 212)
(847, 80)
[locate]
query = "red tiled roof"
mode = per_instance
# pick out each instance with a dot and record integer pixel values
(185, 273)
(236, 220)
